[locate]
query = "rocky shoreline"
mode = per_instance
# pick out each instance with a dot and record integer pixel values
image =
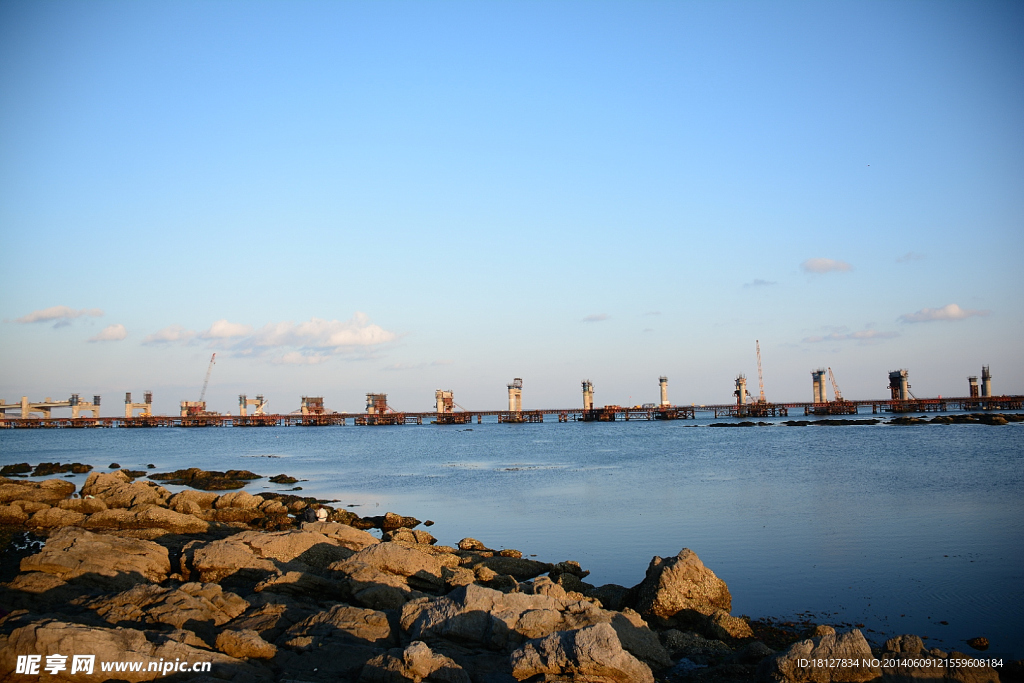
(126, 570)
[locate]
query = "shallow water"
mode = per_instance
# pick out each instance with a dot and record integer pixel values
(896, 528)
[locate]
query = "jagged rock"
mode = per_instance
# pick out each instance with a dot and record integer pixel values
(415, 663)
(118, 491)
(50, 492)
(639, 640)
(72, 552)
(414, 536)
(245, 644)
(51, 518)
(694, 647)
(980, 643)
(592, 653)
(342, 534)
(187, 606)
(851, 646)
(191, 502)
(13, 515)
(821, 630)
(456, 576)
(254, 555)
(305, 585)
(680, 589)
(418, 570)
(86, 506)
(471, 544)
(722, 625)
(344, 624)
(238, 499)
(908, 644)
(521, 569)
(48, 636)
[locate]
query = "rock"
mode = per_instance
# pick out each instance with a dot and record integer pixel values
(753, 652)
(923, 664)
(188, 606)
(19, 468)
(611, 595)
(821, 630)
(283, 479)
(696, 648)
(118, 491)
(457, 576)
(850, 646)
(906, 644)
(721, 625)
(417, 662)
(39, 591)
(471, 544)
(49, 492)
(639, 640)
(86, 506)
(245, 644)
(342, 534)
(51, 518)
(593, 652)
(48, 636)
(190, 502)
(344, 624)
(13, 515)
(305, 585)
(521, 569)
(207, 480)
(45, 469)
(271, 619)
(679, 589)
(419, 570)
(238, 499)
(72, 553)
(114, 466)
(254, 555)
(980, 644)
(148, 517)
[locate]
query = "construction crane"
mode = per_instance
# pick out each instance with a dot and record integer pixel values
(206, 381)
(835, 387)
(760, 377)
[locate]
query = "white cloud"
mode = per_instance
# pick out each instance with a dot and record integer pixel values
(861, 336)
(222, 329)
(169, 335)
(596, 318)
(299, 358)
(110, 333)
(316, 333)
(62, 314)
(824, 265)
(760, 283)
(947, 312)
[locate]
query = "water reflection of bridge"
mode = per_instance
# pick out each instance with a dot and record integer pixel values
(603, 414)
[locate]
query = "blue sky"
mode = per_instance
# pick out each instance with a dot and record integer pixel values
(348, 197)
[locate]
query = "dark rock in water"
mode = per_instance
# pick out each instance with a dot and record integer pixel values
(611, 595)
(283, 479)
(20, 468)
(114, 466)
(980, 644)
(207, 480)
(46, 469)
(429, 522)
(150, 466)
(390, 521)
(134, 474)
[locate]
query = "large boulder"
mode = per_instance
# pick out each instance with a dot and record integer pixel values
(680, 589)
(341, 624)
(245, 644)
(342, 534)
(74, 553)
(417, 662)
(847, 655)
(255, 555)
(53, 518)
(46, 637)
(187, 606)
(588, 654)
(146, 517)
(117, 490)
(51, 491)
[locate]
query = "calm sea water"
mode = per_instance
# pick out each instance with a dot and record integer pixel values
(902, 529)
